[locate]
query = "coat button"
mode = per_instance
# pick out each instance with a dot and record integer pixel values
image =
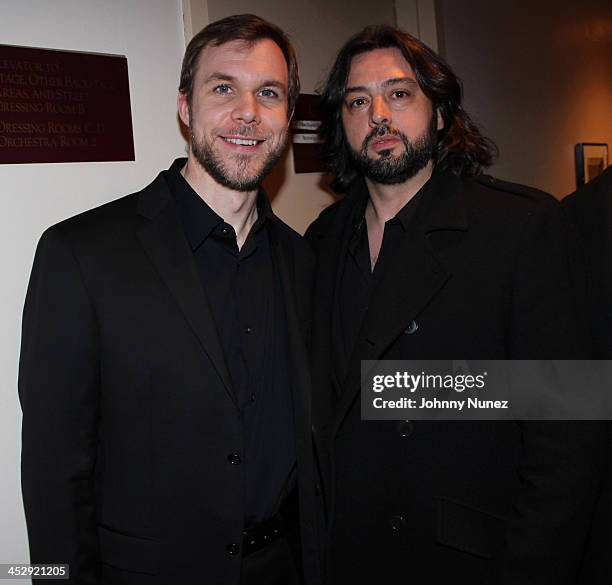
(397, 523)
(234, 458)
(232, 549)
(405, 428)
(411, 328)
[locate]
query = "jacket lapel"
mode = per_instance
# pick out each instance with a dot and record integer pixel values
(296, 289)
(297, 302)
(164, 241)
(341, 238)
(414, 275)
(298, 324)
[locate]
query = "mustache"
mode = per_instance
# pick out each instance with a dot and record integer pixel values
(382, 130)
(246, 132)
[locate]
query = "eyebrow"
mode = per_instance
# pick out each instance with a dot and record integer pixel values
(274, 83)
(386, 83)
(217, 76)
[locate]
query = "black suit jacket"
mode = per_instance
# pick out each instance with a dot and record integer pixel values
(590, 208)
(483, 274)
(129, 416)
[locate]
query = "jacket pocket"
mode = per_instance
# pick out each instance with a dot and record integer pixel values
(131, 553)
(468, 529)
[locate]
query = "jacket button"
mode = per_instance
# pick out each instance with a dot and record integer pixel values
(397, 523)
(411, 328)
(232, 549)
(234, 458)
(405, 428)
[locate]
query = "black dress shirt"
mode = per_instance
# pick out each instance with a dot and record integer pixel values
(358, 278)
(244, 294)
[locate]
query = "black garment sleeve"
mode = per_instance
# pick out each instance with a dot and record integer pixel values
(562, 462)
(58, 390)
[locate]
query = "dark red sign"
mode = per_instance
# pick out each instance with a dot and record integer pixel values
(63, 106)
(305, 135)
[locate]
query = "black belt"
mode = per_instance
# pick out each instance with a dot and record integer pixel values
(262, 534)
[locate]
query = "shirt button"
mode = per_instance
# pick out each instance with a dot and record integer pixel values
(224, 231)
(253, 397)
(397, 523)
(248, 330)
(234, 458)
(405, 428)
(411, 328)
(232, 549)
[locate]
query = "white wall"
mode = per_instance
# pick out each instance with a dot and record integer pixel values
(34, 196)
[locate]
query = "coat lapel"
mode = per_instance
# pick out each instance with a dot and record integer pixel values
(296, 289)
(164, 241)
(296, 322)
(296, 301)
(331, 242)
(342, 236)
(414, 275)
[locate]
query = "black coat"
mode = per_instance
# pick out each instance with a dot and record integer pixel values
(128, 411)
(484, 274)
(590, 208)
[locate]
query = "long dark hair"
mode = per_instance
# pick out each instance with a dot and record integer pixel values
(461, 147)
(239, 27)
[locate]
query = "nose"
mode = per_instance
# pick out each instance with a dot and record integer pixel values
(380, 112)
(246, 110)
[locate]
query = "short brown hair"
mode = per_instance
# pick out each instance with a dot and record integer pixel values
(239, 27)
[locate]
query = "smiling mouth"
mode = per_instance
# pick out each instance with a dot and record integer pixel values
(242, 141)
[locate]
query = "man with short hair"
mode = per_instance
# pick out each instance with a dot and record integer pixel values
(426, 258)
(163, 374)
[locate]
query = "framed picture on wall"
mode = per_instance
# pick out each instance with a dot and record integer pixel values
(591, 160)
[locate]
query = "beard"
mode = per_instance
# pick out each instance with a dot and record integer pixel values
(235, 171)
(390, 169)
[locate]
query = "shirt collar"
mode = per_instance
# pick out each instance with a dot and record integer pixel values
(197, 217)
(404, 216)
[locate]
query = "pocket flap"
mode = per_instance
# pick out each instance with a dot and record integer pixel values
(132, 553)
(468, 529)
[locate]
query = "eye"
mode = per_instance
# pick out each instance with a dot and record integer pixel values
(357, 103)
(223, 89)
(268, 93)
(400, 94)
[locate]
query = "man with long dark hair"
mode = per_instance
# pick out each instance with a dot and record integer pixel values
(426, 258)
(163, 377)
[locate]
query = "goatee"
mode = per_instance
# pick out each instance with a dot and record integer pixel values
(389, 169)
(234, 172)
